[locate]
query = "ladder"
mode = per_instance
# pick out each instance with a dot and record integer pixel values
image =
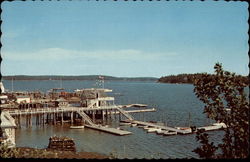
(125, 113)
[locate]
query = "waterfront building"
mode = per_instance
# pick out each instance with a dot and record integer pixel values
(22, 99)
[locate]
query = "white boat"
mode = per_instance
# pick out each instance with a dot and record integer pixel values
(150, 130)
(140, 126)
(187, 129)
(125, 124)
(223, 125)
(160, 131)
(215, 126)
(133, 125)
(167, 133)
(77, 127)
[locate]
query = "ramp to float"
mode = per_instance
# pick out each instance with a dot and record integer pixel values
(86, 117)
(125, 114)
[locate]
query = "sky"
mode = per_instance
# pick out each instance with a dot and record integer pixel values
(123, 39)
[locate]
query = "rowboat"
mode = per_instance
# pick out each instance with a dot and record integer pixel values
(77, 127)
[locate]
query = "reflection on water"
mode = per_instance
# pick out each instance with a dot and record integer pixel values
(174, 103)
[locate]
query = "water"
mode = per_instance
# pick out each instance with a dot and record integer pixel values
(174, 103)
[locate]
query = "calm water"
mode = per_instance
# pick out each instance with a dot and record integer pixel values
(174, 103)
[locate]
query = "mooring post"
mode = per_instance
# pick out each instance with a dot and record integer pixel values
(71, 117)
(62, 118)
(55, 118)
(102, 115)
(30, 120)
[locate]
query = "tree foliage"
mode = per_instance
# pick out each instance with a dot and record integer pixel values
(225, 101)
(189, 78)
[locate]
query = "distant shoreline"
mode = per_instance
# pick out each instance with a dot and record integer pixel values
(84, 77)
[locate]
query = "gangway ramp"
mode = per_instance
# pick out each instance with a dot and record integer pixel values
(125, 113)
(86, 117)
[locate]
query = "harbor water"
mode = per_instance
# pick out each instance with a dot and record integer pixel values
(176, 105)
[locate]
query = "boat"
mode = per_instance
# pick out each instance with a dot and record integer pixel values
(188, 129)
(150, 130)
(133, 125)
(125, 124)
(223, 125)
(215, 126)
(119, 128)
(77, 127)
(160, 131)
(140, 126)
(167, 133)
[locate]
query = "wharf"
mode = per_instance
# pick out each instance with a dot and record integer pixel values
(71, 109)
(158, 126)
(109, 130)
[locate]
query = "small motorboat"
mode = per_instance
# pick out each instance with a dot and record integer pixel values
(76, 127)
(159, 131)
(167, 133)
(223, 125)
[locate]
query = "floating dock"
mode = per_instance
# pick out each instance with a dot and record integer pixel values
(159, 126)
(109, 130)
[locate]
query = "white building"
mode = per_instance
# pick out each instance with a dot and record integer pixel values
(22, 99)
(8, 129)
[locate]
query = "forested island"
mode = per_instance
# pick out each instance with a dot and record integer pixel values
(80, 77)
(189, 78)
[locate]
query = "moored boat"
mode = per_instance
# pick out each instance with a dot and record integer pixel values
(167, 133)
(122, 124)
(133, 125)
(77, 127)
(150, 130)
(160, 131)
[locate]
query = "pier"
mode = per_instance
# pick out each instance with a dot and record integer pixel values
(43, 116)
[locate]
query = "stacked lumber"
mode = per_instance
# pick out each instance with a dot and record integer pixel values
(61, 144)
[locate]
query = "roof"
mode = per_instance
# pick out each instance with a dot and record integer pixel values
(7, 121)
(61, 100)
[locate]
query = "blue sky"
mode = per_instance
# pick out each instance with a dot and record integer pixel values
(125, 39)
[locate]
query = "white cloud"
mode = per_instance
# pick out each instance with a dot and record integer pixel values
(60, 53)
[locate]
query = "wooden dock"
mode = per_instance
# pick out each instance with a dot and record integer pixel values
(109, 130)
(159, 126)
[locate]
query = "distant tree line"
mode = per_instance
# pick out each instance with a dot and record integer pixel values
(80, 77)
(189, 78)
